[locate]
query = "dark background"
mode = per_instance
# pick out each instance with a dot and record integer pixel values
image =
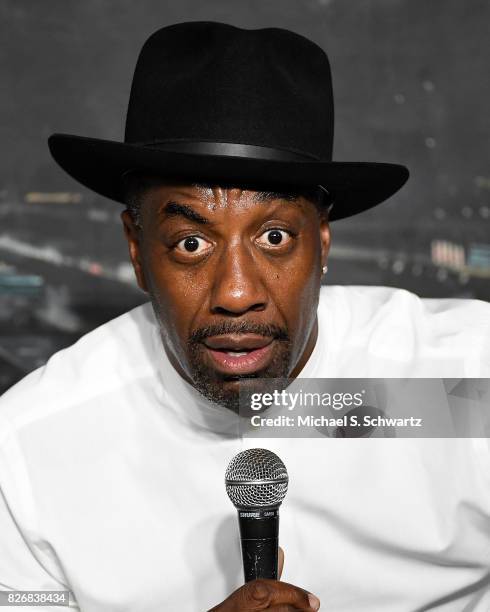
(410, 85)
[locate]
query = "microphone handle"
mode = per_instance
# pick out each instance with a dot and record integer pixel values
(259, 534)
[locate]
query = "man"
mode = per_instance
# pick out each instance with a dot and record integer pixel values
(112, 456)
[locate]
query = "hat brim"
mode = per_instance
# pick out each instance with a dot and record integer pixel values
(100, 164)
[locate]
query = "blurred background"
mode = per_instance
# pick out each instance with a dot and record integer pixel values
(410, 85)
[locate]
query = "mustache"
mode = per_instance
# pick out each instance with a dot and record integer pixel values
(243, 327)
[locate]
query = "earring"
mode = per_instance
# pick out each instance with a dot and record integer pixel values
(324, 269)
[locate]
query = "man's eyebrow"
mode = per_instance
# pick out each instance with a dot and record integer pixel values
(266, 196)
(174, 209)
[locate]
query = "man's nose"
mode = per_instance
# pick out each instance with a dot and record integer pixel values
(237, 286)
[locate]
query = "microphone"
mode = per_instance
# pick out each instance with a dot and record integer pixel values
(256, 482)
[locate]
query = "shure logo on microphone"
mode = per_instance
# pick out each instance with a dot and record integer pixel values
(256, 514)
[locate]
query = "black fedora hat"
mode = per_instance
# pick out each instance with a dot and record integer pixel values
(214, 103)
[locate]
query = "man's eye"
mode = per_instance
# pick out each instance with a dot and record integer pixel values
(275, 237)
(192, 244)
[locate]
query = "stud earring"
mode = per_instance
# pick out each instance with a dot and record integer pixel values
(324, 269)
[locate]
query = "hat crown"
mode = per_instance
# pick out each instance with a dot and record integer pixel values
(212, 82)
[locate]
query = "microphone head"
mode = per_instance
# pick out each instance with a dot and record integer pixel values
(256, 478)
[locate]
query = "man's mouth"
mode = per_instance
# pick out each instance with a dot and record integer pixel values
(240, 353)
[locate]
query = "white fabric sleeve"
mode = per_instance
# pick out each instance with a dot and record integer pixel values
(24, 565)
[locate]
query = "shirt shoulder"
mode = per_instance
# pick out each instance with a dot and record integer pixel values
(112, 355)
(399, 325)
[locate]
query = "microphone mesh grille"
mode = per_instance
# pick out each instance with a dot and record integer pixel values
(243, 476)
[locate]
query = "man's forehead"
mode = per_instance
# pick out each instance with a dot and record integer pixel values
(156, 193)
(223, 194)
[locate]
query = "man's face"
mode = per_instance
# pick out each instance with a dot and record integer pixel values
(234, 278)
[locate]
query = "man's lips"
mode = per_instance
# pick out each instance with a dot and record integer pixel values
(239, 354)
(237, 342)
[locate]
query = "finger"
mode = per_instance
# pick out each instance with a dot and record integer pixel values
(280, 562)
(264, 594)
(287, 608)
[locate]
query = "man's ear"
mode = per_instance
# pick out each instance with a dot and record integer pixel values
(133, 236)
(324, 239)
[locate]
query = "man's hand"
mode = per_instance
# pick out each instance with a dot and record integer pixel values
(269, 595)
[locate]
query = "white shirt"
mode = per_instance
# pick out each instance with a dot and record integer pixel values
(112, 468)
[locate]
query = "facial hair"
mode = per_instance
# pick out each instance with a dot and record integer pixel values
(232, 391)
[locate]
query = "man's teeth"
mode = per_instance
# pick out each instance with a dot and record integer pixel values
(237, 353)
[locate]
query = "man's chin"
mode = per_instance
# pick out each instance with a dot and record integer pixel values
(235, 393)
(225, 393)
